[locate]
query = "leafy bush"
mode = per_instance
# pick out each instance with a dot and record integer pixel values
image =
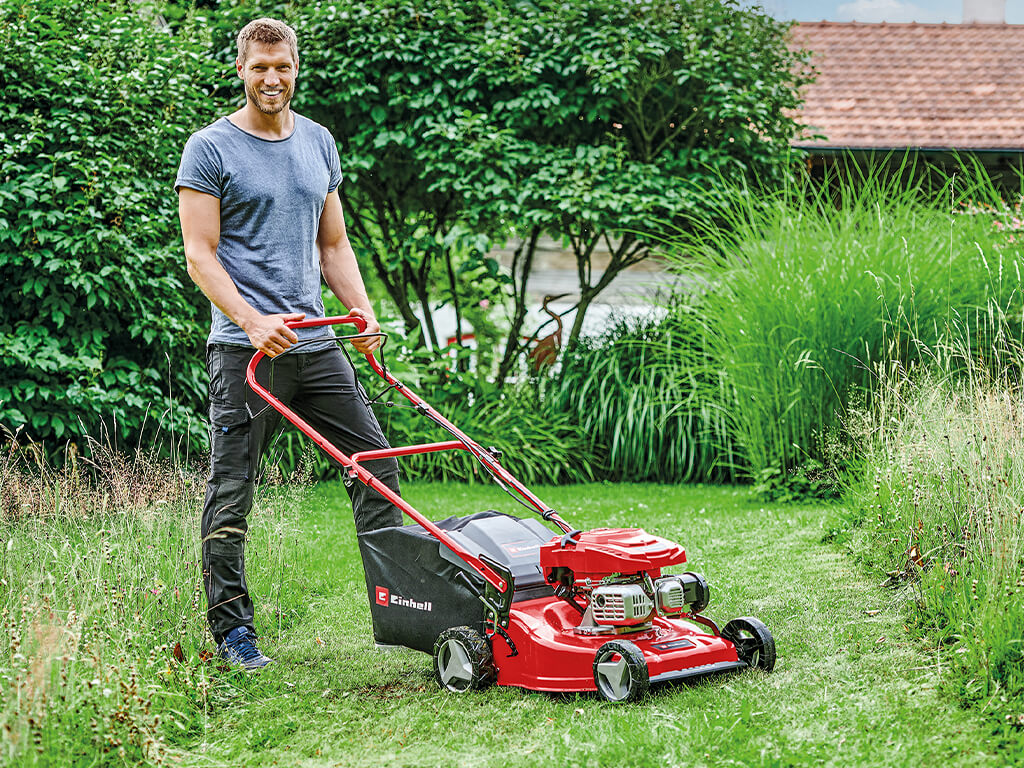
(537, 445)
(100, 329)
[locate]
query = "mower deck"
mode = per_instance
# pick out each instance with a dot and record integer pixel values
(561, 659)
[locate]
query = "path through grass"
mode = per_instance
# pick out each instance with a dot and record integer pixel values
(848, 690)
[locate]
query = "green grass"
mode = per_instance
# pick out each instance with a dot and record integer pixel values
(800, 292)
(937, 505)
(850, 688)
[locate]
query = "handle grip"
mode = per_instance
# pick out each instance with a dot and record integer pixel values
(358, 322)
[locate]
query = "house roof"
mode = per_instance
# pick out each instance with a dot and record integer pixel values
(925, 86)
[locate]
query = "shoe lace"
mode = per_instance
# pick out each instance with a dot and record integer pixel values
(245, 647)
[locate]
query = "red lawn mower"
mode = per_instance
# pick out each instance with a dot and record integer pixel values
(499, 599)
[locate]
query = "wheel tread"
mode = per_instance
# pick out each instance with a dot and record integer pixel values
(763, 644)
(477, 649)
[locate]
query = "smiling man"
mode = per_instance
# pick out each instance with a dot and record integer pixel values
(262, 222)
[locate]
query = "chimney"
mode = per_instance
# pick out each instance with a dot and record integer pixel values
(984, 11)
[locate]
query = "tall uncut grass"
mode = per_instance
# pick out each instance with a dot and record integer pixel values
(806, 288)
(102, 616)
(938, 504)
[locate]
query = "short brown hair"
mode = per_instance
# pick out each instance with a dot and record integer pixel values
(269, 31)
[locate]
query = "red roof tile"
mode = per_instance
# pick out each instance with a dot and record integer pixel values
(928, 86)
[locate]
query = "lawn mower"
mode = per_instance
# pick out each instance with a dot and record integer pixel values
(499, 599)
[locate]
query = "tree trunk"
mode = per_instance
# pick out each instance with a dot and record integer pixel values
(456, 305)
(423, 294)
(396, 290)
(626, 255)
(513, 342)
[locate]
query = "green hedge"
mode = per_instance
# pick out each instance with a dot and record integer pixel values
(101, 330)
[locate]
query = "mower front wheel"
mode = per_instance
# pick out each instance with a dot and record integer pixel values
(463, 660)
(620, 672)
(754, 643)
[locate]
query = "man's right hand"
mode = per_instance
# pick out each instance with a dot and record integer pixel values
(270, 335)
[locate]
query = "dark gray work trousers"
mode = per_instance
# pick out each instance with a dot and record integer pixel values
(322, 388)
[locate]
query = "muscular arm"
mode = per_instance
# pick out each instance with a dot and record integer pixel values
(341, 271)
(200, 229)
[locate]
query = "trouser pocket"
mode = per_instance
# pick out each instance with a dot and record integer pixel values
(230, 446)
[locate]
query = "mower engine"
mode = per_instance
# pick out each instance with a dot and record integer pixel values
(613, 577)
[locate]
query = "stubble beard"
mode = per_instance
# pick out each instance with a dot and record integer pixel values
(256, 100)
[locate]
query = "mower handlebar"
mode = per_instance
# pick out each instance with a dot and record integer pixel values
(356, 472)
(358, 322)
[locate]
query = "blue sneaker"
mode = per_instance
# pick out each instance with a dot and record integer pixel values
(239, 647)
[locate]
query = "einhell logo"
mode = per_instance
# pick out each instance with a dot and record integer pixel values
(521, 548)
(385, 598)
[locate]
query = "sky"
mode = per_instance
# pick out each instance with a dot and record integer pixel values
(893, 11)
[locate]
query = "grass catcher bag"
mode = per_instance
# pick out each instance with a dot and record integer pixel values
(418, 587)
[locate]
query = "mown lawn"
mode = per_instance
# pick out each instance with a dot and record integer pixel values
(848, 690)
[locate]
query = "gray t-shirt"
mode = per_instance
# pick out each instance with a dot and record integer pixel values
(271, 196)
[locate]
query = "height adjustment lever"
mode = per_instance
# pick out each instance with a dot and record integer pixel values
(498, 603)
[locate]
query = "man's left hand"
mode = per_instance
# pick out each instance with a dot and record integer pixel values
(366, 346)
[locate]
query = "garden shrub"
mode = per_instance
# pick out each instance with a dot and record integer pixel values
(101, 331)
(537, 445)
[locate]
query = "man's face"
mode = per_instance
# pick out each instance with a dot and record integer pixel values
(269, 75)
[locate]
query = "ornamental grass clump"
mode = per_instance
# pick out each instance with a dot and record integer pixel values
(939, 505)
(806, 289)
(645, 400)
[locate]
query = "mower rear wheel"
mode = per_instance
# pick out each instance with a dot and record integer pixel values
(754, 643)
(463, 660)
(620, 672)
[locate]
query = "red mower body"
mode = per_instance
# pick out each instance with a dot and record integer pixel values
(553, 657)
(602, 551)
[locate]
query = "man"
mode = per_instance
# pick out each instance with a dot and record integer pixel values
(262, 221)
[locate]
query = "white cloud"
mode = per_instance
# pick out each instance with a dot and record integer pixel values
(893, 11)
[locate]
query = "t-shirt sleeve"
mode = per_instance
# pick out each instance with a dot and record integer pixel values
(334, 166)
(200, 167)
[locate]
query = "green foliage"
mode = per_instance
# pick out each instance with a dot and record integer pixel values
(585, 120)
(537, 444)
(642, 399)
(805, 293)
(99, 324)
(811, 480)
(937, 503)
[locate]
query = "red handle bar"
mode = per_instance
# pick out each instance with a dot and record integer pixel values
(352, 468)
(358, 322)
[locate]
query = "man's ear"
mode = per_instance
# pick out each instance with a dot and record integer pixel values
(238, 67)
